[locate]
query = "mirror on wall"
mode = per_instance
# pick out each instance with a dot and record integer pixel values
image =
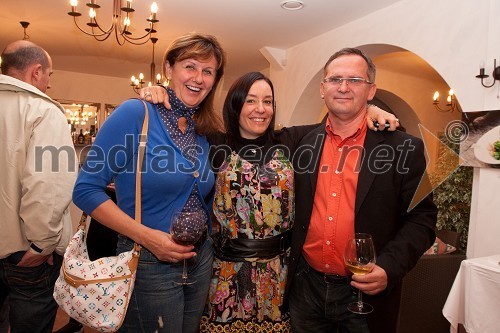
(83, 120)
(108, 109)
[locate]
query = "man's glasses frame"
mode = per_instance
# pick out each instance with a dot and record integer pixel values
(350, 81)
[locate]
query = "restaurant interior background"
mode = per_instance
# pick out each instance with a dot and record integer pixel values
(418, 46)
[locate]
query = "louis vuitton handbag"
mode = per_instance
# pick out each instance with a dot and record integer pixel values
(96, 293)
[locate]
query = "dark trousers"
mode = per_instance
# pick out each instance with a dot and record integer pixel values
(318, 306)
(32, 307)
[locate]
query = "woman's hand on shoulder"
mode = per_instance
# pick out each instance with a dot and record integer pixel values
(155, 95)
(384, 120)
(165, 248)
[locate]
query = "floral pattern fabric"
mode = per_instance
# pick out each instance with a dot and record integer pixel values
(252, 202)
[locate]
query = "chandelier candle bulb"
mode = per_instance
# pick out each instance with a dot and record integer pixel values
(436, 96)
(73, 4)
(154, 10)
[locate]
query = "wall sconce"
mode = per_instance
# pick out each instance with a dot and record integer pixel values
(451, 102)
(496, 74)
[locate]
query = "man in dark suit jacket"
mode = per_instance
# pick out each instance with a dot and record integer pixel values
(351, 180)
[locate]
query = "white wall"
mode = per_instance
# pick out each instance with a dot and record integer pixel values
(89, 88)
(453, 36)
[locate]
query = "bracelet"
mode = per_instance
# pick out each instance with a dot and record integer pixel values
(36, 248)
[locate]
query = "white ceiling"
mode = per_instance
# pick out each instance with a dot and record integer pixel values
(242, 26)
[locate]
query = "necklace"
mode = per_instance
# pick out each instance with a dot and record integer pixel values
(253, 149)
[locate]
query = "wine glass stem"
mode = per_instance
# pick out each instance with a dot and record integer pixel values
(360, 299)
(184, 271)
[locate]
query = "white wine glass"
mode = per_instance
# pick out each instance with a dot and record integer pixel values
(359, 258)
(186, 229)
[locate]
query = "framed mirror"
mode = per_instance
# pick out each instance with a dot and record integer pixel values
(108, 109)
(83, 120)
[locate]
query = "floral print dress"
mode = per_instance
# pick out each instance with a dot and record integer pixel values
(252, 202)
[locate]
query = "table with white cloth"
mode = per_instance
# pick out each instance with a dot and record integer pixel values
(474, 299)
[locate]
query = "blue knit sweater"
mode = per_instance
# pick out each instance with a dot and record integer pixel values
(168, 177)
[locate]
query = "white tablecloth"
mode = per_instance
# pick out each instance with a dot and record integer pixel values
(474, 299)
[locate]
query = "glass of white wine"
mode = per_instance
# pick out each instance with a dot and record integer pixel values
(359, 258)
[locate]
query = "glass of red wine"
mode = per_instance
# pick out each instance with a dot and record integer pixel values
(186, 229)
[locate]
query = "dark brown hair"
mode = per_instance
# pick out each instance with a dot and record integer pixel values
(234, 103)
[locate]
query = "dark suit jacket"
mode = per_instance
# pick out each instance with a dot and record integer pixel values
(392, 168)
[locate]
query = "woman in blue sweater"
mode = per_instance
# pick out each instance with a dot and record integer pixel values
(175, 177)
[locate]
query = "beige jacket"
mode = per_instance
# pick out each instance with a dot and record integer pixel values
(38, 169)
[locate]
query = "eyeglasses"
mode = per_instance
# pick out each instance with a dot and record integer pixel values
(350, 81)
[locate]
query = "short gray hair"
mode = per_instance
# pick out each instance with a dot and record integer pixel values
(351, 50)
(23, 57)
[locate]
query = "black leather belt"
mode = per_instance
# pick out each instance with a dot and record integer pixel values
(329, 278)
(237, 249)
(336, 279)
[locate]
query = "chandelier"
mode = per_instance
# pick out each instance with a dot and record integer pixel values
(120, 22)
(451, 102)
(80, 114)
(138, 83)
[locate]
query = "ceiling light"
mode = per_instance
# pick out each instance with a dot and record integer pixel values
(292, 4)
(120, 22)
(25, 25)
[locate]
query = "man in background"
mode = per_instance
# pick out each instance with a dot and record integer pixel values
(39, 168)
(354, 180)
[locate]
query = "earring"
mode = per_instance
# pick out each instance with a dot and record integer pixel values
(167, 83)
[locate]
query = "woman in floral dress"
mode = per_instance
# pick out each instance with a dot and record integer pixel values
(253, 205)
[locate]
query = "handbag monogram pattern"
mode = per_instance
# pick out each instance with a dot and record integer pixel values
(96, 293)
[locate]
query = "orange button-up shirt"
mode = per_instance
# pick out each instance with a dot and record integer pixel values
(332, 218)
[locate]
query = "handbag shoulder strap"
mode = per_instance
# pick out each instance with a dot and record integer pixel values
(140, 159)
(143, 137)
